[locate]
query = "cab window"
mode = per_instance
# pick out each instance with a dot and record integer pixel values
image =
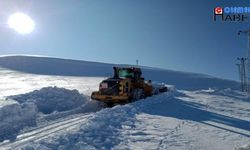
(125, 74)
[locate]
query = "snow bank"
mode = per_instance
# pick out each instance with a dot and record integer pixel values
(14, 117)
(103, 130)
(19, 111)
(50, 99)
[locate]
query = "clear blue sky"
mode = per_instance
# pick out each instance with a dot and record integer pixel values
(170, 34)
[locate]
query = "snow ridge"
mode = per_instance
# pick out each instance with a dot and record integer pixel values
(42, 105)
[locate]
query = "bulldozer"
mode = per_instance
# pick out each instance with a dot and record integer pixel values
(126, 85)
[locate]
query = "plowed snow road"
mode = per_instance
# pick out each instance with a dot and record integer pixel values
(45, 131)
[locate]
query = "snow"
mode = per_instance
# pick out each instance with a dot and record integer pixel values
(4, 102)
(50, 99)
(244, 147)
(199, 112)
(14, 117)
(45, 104)
(167, 121)
(14, 83)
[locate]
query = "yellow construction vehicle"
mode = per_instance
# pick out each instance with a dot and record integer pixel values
(127, 85)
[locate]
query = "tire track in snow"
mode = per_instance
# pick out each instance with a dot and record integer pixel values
(44, 132)
(174, 130)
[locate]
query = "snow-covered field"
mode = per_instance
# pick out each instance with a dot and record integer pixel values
(51, 109)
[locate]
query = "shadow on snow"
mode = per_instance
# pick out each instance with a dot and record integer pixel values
(184, 110)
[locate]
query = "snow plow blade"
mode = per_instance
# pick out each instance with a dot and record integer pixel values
(109, 98)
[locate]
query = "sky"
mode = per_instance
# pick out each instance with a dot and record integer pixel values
(171, 34)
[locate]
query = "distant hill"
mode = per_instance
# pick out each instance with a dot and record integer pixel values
(67, 67)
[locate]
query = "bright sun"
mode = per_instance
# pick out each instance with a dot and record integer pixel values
(21, 23)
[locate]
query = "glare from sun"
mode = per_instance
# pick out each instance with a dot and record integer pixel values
(21, 23)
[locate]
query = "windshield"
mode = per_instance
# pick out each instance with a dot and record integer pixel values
(125, 74)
